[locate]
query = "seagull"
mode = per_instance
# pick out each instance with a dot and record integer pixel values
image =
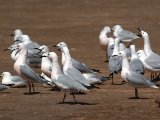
(22, 69)
(64, 82)
(14, 81)
(123, 34)
(152, 59)
(68, 67)
(133, 78)
(106, 42)
(17, 33)
(115, 61)
(136, 64)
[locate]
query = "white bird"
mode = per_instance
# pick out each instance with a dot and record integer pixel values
(132, 78)
(17, 33)
(64, 82)
(106, 42)
(68, 67)
(152, 59)
(14, 81)
(22, 69)
(124, 35)
(135, 63)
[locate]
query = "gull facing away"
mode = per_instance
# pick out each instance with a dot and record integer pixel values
(133, 78)
(68, 67)
(64, 82)
(136, 64)
(17, 33)
(22, 69)
(115, 61)
(123, 34)
(103, 38)
(14, 81)
(106, 42)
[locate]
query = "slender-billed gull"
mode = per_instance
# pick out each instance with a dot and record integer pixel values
(64, 82)
(22, 69)
(68, 67)
(14, 81)
(132, 78)
(123, 34)
(106, 42)
(115, 61)
(17, 33)
(136, 64)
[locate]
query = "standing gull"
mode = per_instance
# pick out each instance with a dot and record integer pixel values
(21, 67)
(68, 67)
(106, 42)
(152, 59)
(133, 78)
(64, 82)
(115, 61)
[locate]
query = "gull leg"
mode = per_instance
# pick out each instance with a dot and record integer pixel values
(136, 93)
(33, 87)
(64, 97)
(29, 87)
(74, 97)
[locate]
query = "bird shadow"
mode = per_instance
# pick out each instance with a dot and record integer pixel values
(79, 93)
(77, 103)
(4, 92)
(137, 98)
(119, 83)
(33, 93)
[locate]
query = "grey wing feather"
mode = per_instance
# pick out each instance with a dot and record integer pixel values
(115, 64)
(110, 50)
(75, 74)
(70, 83)
(137, 66)
(127, 35)
(27, 71)
(138, 80)
(17, 79)
(153, 60)
(81, 67)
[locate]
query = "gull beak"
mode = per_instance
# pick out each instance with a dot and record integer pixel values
(16, 40)
(6, 49)
(43, 56)
(139, 35)
(54, 46)
(39, 50)
(1, 75)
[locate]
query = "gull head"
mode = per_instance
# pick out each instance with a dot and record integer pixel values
(42, 49)
(17, 32)
(141, 54)
(116, 28)
(11, 48)
(23, 38)
(5, 74)
(142, 33)
(123, 54)
(53, 56)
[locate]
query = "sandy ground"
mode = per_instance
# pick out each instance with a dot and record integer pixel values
(78, 23)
